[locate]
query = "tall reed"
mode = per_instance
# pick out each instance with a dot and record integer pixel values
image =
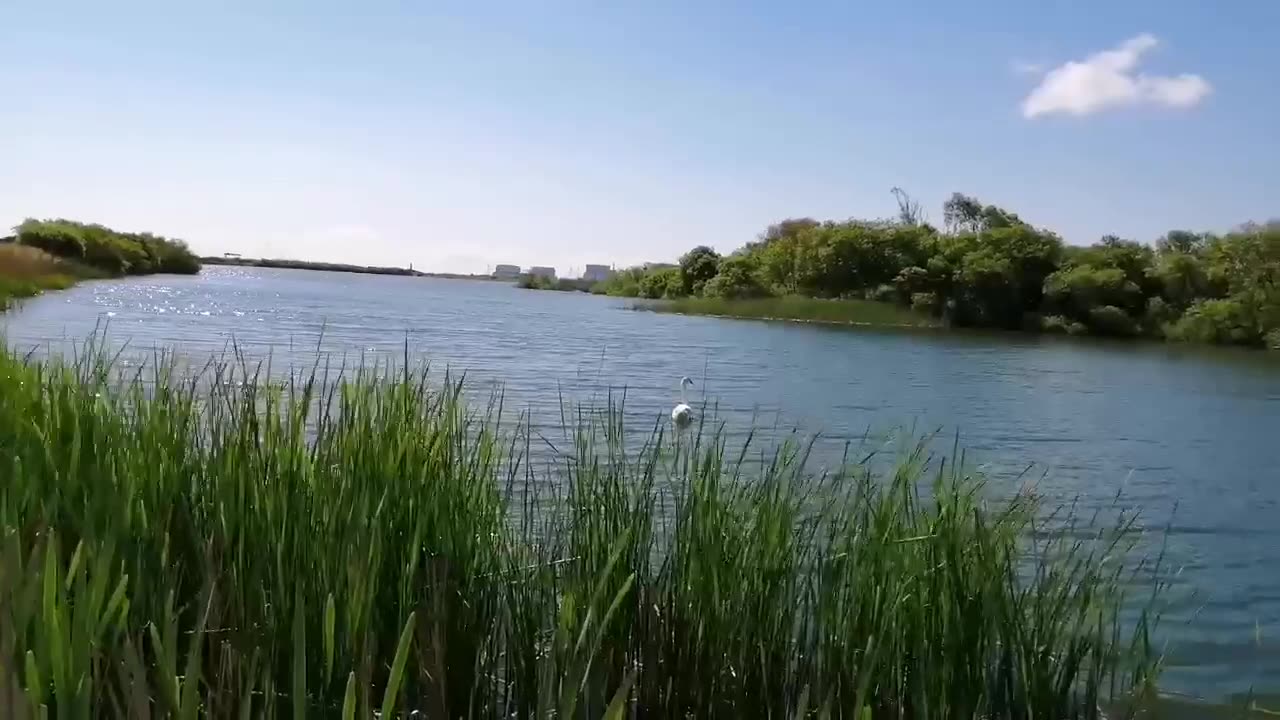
(220, 545)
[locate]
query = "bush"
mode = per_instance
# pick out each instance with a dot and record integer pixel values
(1059, 325)
(925, 302)
(697, 268)
(53, 238)
(1078, 291)
(535, 282)
(737, 279)
(1215, 321)
(109, 251)
(912, 280)
(662, 283)
(1111, 320)
(883, 293)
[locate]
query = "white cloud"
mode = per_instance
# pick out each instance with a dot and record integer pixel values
(1107, 80)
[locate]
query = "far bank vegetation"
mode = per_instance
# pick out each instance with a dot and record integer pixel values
(54, 254)
(987, 267)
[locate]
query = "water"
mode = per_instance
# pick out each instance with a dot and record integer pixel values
(1160, 426)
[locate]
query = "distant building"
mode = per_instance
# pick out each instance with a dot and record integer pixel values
(231, 256)
(540, 271)
(506, 272)
(597, 273)
(659, 266)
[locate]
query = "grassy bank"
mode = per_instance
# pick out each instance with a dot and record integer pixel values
(26, 271)
(215, 547)
(806, 309)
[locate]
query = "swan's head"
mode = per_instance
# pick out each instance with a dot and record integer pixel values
(686, 381)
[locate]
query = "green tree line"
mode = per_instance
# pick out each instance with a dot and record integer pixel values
(101, 250)
(986, 267)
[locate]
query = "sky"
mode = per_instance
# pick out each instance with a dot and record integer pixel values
(456, 136)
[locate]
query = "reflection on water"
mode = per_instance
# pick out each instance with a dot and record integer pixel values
(1163, 428)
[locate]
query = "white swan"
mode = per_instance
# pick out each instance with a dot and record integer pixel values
(682, 414)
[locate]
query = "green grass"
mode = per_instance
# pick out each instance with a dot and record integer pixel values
(13, 289)
(221, 546)
(849, 312)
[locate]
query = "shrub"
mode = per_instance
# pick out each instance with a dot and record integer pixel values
(112, 252)
(883, 293)
(1111, 320)
(53, 238)
(1215, 321)
(659, 283)
(1060, 325)
(737, 279)
(697, 268)
(912, 280)
(1159, 312)
(925, 302)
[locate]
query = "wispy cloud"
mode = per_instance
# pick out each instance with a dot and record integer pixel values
(1109, 79)
(1022, 67)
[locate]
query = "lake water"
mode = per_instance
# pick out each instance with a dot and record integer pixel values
(1161, 426)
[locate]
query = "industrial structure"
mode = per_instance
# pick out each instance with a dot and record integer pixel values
(506, 272)
(597, 273)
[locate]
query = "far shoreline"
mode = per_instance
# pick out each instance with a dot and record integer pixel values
(287, 264)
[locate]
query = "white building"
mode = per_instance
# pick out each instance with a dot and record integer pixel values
(506, 272)
(597, 273)
(540, 271)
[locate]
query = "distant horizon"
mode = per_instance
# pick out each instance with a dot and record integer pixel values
(575, 271)
(457, 139)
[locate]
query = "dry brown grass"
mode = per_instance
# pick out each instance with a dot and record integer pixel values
(25, 271)
(23, 262)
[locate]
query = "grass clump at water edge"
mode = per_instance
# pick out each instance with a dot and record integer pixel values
(27, 271)
(798, 309)
(216, 546)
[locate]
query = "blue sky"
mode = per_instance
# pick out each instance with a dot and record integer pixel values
(456, 136)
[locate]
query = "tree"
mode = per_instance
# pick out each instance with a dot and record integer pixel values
(697, 267)
(107, 250)
(787, 228)
(1076, 291)
(1182, 241)
(1183, 279)
(909, 212)
(738, 278)
(664, 283)
(1001, 278)
(961, 213)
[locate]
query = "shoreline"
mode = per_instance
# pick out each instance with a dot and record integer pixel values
(286, 264)
(796, 309)
(783, 319)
